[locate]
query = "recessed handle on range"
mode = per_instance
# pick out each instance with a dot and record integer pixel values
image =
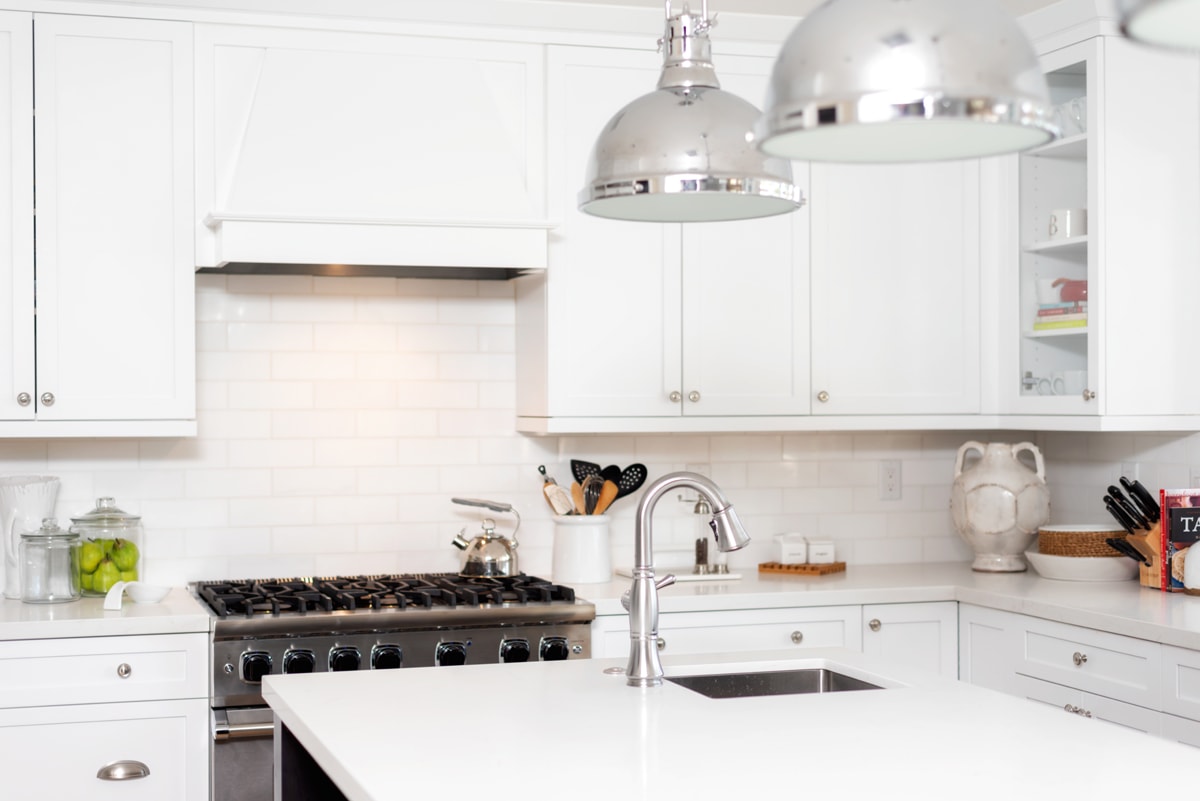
(123, 770)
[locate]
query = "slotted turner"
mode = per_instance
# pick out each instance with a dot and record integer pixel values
(581, 470)
(631, 480)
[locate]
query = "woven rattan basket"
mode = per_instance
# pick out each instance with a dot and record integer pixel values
(1079, 540)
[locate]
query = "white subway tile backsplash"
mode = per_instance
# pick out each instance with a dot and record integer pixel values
(338, 417)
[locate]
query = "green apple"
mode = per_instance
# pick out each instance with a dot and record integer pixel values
(90, 554)
(106, 575)
(124, 554)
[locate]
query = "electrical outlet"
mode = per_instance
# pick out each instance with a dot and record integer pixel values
(1129, 470)
(889, 480)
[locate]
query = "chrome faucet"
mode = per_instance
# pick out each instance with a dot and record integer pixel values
(645, 668)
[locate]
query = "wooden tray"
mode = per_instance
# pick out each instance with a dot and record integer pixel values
(802, 570)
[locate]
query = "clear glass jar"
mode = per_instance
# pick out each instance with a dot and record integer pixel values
(49, 565)
(111, 547)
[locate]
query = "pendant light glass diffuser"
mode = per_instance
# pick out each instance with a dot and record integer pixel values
(1173, 24)
(685, 152)
(919, 80)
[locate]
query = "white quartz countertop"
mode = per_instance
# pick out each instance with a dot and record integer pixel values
(571, 727)
(178, 613)
(1122, 607)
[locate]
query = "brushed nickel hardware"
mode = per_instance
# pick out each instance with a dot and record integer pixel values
(1089, 394)
(694, 396)
(47, 398)
(797, 637)
(874, 624)
(24, 399)
(1078, 658)
(661, 643)
(1077, 710)
(675, 396)
(123, 770)
(823, 396)
(124, 670)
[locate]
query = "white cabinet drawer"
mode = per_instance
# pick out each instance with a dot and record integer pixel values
(1181, 682)
(1097, 707)
(741, 630)
(64, 747)
(1181, 730)
(103, 670)
(1118, 667)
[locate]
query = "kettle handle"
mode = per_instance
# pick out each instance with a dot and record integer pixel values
(1037, 456)
(962, 454)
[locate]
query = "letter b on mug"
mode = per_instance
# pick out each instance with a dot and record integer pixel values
(1066, 223)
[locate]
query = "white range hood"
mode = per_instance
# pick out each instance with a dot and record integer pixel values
(351, 153)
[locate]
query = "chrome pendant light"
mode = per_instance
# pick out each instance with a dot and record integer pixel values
(1173, 24)
(919, 80)
(684, 152)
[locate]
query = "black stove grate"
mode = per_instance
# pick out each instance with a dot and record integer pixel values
(298, 596)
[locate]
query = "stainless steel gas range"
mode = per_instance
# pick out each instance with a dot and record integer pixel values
(386, 622)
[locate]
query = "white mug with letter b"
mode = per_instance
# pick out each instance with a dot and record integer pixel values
(1067, 223)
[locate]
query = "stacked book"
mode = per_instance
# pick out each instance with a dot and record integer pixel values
(1068, 314)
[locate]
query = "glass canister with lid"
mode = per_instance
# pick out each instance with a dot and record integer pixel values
(110, 549)
(49, 565)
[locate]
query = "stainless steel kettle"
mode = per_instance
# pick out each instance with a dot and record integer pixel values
(488, 554)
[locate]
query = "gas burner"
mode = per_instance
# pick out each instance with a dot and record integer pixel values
(299, 596)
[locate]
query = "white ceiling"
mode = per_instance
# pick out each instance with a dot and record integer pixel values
(796, 8)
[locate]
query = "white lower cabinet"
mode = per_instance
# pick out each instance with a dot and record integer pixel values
(1132, 682)
(922, 635)
(115, 717)
(915, 635)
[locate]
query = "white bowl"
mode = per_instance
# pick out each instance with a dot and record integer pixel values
(1083, 568)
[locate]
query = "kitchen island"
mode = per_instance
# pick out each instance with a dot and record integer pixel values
(577, 730)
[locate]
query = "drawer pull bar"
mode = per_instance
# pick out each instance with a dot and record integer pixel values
(1077, 710)
(1078, 658)
(123, 770)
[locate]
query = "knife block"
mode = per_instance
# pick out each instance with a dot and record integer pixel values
(1149, 575)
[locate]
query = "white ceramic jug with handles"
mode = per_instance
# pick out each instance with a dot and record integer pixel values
(998, 504)
(25, 501)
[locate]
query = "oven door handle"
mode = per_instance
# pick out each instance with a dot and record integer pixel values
(242, 724)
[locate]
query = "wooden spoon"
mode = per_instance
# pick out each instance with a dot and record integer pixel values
(608, 494)
(577, 496)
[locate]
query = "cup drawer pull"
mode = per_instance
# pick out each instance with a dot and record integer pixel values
(123, 770)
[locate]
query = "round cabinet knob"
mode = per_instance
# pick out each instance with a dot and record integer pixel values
(675, 397)
(124, 670)
(1089, 394)
(874, 624)
(797, 637)
(47, 398)
(123, 770)
(1078, 658)
(24, 399)
(662, 644)
(694, 396)
(823, 396)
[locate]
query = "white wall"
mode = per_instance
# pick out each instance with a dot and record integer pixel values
(339, 416)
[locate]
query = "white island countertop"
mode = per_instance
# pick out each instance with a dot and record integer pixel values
(1121, 607)
(571, 728)
(178, 613)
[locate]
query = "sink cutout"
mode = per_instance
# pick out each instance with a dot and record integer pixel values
(777, 682)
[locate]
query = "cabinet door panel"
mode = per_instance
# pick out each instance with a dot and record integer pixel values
(16, 214)
(613, 295)
(895, 288)
(923, 635)
(115, 283)
(74, 742)
(1096, 707)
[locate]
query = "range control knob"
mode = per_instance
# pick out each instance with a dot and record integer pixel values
(255, 665)
(514, 651)
(344, 657)
(554, 649)
(299, 661)
(386, 657)
(451, 653)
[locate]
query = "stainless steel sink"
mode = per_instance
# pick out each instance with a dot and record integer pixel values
(777, 682)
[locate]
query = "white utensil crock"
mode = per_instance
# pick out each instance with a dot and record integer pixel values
(582, 553)
(25, 501)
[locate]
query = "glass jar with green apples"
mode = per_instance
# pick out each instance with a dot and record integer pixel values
(110, 547)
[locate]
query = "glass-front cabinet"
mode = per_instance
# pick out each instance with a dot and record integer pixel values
(1058, 221)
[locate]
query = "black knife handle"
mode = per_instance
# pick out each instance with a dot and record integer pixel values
(1118, 515)
(1131, 510)
(1148, 502)
(1128, 550)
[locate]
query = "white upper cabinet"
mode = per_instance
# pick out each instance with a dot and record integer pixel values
(356, 148)
(649, 320)
(1130, 159)
(896, 288)
(111, 350)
